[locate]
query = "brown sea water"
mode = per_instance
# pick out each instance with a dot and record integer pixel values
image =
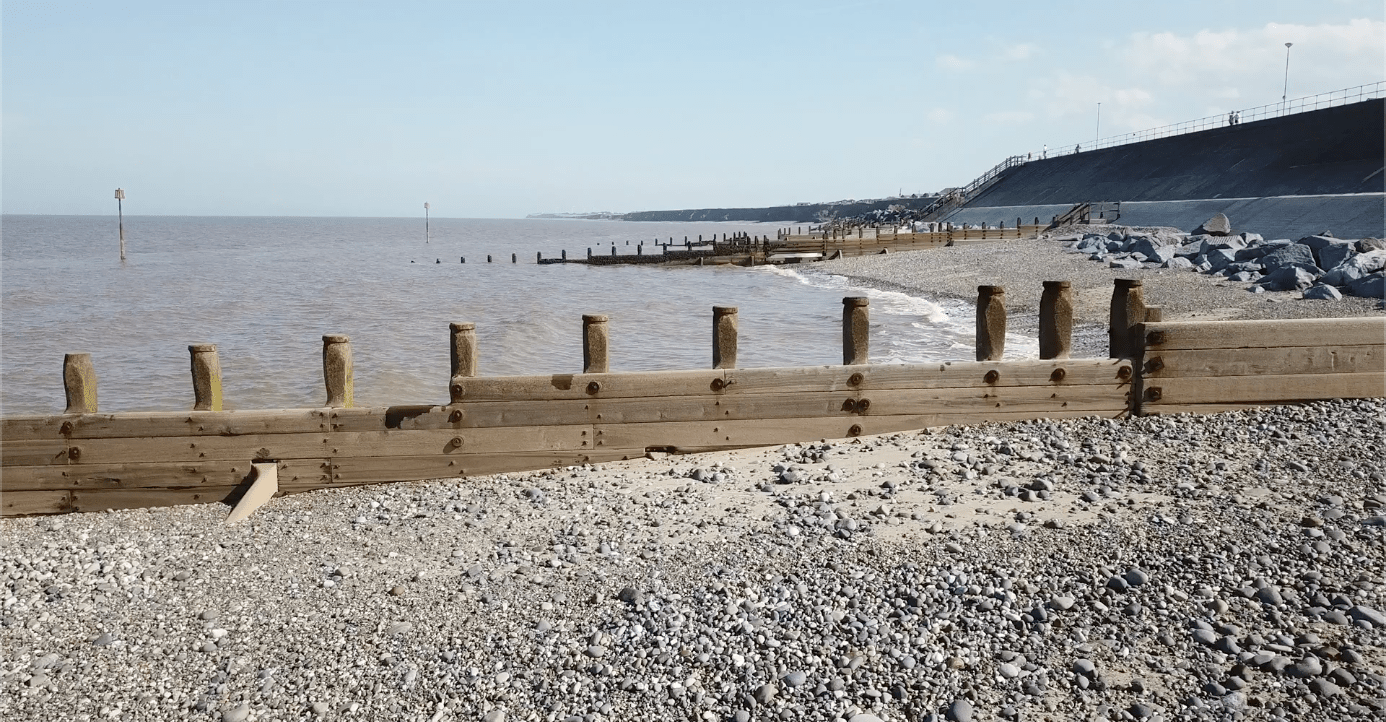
(265, 290)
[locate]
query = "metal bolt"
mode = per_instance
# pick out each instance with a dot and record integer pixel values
(1058, 375)
(992, 376)
(593, 387)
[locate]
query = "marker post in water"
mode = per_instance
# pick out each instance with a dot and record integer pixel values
(120, 215)
(425, 221)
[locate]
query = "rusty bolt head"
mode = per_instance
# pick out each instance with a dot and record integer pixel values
(849, 405)
(863, 405)
(66, 428)
(855, 430)
(593, 387)
(718, 384)
(855, 379)
(1154, 393)
(74, 453)
(456, 442)
(1154, 364)
(1124, 373)
(457, 389)
(455, 417)
(992, 376)
(1155, 338)
(1058, 375)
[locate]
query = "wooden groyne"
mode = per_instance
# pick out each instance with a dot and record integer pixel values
(789, 246)
(85, 460)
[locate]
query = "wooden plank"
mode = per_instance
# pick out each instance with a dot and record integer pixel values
(191, 449)
(645, 384)
(1265, 334)
(33, 428)
(375, 470)
(1262, 389)
(102, 499)
(34, 453)
(1167, 409)
(962, 374)
(1284, 361)
(26, 503)
(154, 475)
(707, 435)
(198, 423)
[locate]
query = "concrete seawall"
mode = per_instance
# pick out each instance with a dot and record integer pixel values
(1286, 176)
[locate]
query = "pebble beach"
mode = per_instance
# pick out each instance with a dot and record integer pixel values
(1216, 567)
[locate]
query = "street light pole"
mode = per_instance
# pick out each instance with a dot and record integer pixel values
(1285, 92)
(120, 214)
(425, 222)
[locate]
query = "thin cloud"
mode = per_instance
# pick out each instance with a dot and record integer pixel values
(954, 63)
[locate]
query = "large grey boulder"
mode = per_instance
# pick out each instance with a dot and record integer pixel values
(1321, 292)
(1293, 254)
(1332, 255)
(1153, 251)
(1217, 259)
(1178, 262)
(1218, 225)
(1290, 278)
(1359, 266)
(1124, 263)
(1317, 242)
(1373, 286)
(1367, 245)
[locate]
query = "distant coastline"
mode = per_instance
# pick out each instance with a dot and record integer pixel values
(798, 213)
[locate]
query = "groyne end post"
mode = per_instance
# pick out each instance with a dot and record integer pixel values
(337, 371)
(724, 327)
(1127, 310)
(206, 377)
(463, 349)
(856, 330)
(594, 344)
(1056, 320)
(79, 383)
(991, 323)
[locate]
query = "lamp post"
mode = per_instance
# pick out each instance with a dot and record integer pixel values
(1285, 91)
(425, 222)
(120, 214)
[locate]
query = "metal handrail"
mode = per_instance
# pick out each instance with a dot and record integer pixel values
(1308, 103)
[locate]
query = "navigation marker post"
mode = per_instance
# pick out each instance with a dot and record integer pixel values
(120, 214)
(425, 221)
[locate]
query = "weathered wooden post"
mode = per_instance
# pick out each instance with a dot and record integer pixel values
(538, 256)
(589, 253)
(856, 330)
(724, 327)
(565, 255)
(1056, 320)
(1127, 310)
(463, 349)
(79, 383)
(594, 360)
(337, 370)
(514, 258)
(206, 375)
(991, 323)
(640, 250)
(488, 258)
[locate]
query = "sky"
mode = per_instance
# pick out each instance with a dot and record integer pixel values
(498, 110)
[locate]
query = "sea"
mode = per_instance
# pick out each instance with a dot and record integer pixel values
(266, 289)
